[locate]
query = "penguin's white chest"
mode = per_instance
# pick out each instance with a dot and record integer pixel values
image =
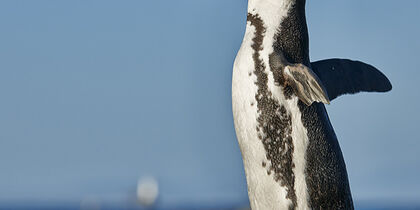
(264, 192)
(270, 132)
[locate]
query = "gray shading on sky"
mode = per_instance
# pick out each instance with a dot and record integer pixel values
(97, 94)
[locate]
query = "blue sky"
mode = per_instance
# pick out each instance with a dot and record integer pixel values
(95, 94)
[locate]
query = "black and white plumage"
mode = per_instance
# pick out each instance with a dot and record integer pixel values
(291, 155)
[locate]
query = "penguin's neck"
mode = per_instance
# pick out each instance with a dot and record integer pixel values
(284, 22)
(271, 12)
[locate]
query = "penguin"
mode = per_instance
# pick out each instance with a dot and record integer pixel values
(291, 155)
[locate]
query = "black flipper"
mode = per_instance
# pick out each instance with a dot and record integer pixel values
(343, 76)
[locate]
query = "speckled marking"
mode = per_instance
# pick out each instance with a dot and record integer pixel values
(274, 122)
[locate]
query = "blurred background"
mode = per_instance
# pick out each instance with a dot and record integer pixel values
(121, 104)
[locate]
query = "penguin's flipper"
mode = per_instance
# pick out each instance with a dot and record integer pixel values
(343, 76)
(305, 83)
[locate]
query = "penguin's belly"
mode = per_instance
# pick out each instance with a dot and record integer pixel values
(271, 137)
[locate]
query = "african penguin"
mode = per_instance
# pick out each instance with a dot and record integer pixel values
(290, 152)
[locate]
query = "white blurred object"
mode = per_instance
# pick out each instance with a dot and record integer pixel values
(147, 191)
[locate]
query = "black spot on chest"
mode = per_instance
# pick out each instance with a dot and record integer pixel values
(274, 122)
